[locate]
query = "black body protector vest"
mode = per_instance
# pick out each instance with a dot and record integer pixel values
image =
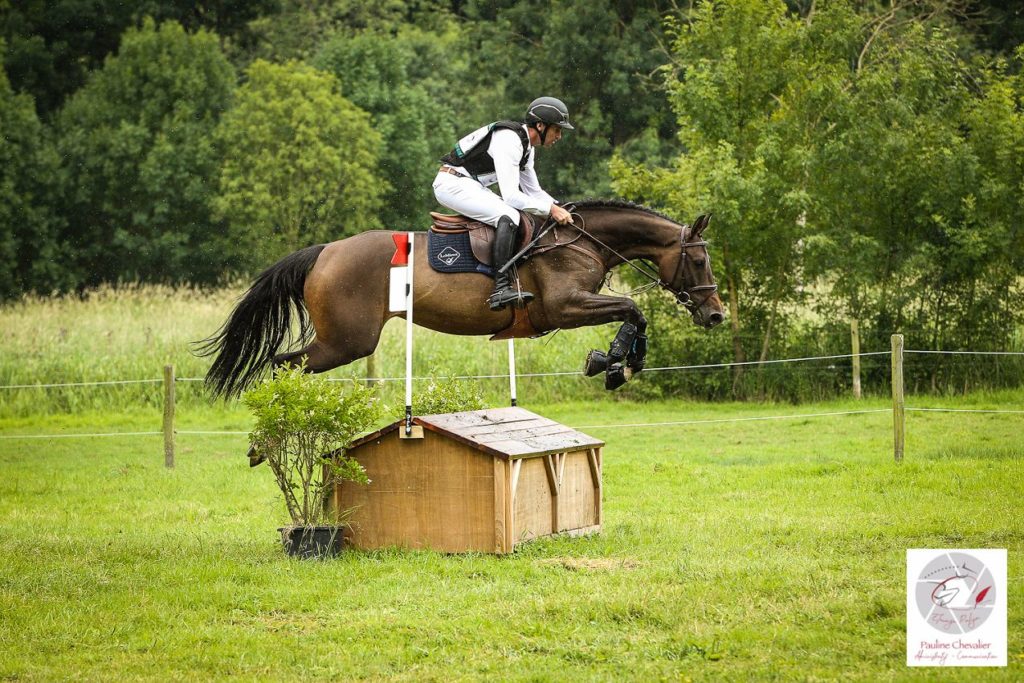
(471, 151)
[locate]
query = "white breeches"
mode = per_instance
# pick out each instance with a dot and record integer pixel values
(469, 198)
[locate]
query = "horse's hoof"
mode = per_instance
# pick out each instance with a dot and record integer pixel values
(596, 363)
(617, 375)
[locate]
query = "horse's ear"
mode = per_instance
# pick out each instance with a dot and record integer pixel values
(701, 224)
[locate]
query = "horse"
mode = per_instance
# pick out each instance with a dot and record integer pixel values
(340, 293)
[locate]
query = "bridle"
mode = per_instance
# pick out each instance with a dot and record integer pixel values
(683, 296)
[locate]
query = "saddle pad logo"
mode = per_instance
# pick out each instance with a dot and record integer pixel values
(448, 256)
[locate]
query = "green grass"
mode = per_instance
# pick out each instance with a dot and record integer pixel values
(760, 550)
(132, 332)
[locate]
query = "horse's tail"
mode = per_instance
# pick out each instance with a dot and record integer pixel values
(260, 323)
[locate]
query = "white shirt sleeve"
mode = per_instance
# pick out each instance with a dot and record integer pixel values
(530, 185)
(506, 149)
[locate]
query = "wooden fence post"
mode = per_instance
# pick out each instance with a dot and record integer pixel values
(855, 344)
(169, 416)
(898, 415)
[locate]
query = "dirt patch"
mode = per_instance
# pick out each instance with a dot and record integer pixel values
(598, 563)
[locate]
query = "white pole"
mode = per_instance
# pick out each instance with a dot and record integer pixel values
(408, 337)
(512, 369)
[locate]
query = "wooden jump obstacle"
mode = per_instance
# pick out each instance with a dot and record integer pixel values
(483, 480)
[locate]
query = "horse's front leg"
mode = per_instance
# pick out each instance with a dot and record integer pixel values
(628, 351)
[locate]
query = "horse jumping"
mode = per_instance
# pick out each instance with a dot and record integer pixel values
(340, 295)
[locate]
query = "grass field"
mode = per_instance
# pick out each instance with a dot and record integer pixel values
(131, 333)
(756, 550)
(746, 550)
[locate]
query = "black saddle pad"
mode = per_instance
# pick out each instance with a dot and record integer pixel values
(451, 253)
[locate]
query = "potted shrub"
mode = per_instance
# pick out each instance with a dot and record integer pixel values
(303, 426)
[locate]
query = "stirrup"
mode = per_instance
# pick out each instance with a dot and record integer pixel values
(503, 297)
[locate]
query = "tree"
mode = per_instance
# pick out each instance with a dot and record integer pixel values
(375, 73)
(731, 61)
(29, 225)
(137, 145)
(299, 165)
(599, 56)
(53, 45)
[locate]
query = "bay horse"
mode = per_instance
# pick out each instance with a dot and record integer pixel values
(340, 295)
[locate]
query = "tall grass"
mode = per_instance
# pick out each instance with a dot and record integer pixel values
(131, 332)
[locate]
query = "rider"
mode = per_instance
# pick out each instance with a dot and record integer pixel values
(502, 153)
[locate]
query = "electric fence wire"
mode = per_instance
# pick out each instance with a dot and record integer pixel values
(671, 368)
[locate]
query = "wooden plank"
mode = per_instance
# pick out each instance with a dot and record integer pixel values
(594, 460)
(534, 504)
(577, 497)
(855, 353)
(430, 493)
(510, 520)
(499, 507)
(508, 432)
(517, 465)
(549, 470)
(169, 416)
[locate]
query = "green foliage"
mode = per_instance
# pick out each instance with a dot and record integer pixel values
(29, 186)
(376, 72)
(303, 424)
(137, 146)
(596, 55)
(861, 156)
(445, 396)
(299, 165)
(54, 45)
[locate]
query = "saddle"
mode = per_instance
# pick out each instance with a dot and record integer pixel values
(480, 234)
(448, 233)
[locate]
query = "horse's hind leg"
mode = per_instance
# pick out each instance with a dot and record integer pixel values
(320, 356)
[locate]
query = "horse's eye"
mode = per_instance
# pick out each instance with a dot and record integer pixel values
(700, 263)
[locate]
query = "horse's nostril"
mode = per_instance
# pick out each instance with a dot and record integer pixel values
(715, 318)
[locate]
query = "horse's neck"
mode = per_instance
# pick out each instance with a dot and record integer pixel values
(634, 233)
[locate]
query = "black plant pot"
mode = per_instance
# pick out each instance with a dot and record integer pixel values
(312, 542)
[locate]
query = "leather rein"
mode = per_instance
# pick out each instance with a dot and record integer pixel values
(684, 296)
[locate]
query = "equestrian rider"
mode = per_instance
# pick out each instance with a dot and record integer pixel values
(502, 153)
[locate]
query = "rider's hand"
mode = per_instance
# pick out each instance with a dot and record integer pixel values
(560, 215)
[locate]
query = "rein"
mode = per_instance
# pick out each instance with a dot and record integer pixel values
(683, 296)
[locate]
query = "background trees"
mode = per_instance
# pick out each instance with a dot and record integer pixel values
(29, 180)
(299, 165)
(138, 152)
(862, 159)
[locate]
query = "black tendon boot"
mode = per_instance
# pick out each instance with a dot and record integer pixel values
(504, 244)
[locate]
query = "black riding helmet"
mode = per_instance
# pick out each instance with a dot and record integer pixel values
(549, 110)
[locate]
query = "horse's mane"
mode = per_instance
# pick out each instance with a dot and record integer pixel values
(594, 203)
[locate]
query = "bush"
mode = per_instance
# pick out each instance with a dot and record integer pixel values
(445, 396)
(303, 426)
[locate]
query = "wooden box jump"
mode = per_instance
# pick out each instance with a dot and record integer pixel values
(483, 480)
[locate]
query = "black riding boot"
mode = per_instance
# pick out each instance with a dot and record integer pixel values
(504, 245)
